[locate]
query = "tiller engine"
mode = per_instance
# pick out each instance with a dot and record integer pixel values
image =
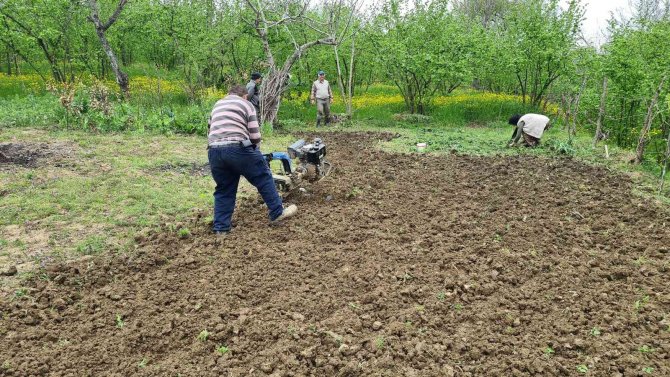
(311, 164)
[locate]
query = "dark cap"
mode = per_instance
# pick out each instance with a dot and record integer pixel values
(256, 76)
(321, 73)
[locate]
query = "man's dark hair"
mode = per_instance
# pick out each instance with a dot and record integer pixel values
(237, 90)
(514, 120)
(256, 76)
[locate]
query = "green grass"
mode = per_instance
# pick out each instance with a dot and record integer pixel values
(92, 245)
(141, 114)
(29, 111)
(110, 187)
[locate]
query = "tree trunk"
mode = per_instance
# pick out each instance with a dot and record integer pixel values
(17, 54)
(9, 63)
(665, 162)
(100, 29)
(340, 81)
(273, 86)
(350, 87)
(601, 114)
(44, 46)
(572, 129)
(567, 107)
(642, 142)
(277, 81)
(121, 77)
(523, 92)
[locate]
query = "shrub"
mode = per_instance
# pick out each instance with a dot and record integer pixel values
(561, 147)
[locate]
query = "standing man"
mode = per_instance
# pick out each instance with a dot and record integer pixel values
(530, 126)
(253, 91)
(323, 96)
(233, 140)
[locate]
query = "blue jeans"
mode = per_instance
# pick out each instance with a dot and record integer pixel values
(228, 164)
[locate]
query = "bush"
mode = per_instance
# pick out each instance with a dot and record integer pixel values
(29, 111)
(562, 147)
(291, 124)
(192, 120)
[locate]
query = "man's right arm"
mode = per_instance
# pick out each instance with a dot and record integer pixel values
(253, 127)
(312, 96)
(519, 130)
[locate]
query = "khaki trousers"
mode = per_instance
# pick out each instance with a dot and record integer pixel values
(322, 110)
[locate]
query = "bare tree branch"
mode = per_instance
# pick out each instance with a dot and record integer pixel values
(278, 15)
(115, 15)
(100, 29)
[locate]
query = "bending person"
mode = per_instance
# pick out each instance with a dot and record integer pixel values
(531, 127)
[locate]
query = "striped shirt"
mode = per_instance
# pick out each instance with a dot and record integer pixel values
(233, 119)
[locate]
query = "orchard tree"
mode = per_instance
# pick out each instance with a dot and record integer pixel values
(47, 24)
(422, 48)
(287, 18)
(542, 37)
(101, 30)
(636, 64)
(486, 12)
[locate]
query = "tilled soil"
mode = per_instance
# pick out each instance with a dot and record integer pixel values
(189, 168)
(31, 154)
(397, 265)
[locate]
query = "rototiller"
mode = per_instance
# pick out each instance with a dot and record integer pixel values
(311, 165)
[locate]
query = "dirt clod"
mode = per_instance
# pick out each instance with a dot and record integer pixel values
(33, 154)
(9, 271)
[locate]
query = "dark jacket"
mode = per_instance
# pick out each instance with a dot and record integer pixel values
(252, 94)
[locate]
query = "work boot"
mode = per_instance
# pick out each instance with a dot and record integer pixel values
(288, 212)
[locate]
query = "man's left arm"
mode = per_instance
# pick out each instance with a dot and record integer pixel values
(330, 93)
(251, 91)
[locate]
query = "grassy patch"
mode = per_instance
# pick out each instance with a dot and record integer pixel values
(92, 245)
(109, 188)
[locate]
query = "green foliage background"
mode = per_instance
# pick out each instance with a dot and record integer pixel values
(182, 55)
